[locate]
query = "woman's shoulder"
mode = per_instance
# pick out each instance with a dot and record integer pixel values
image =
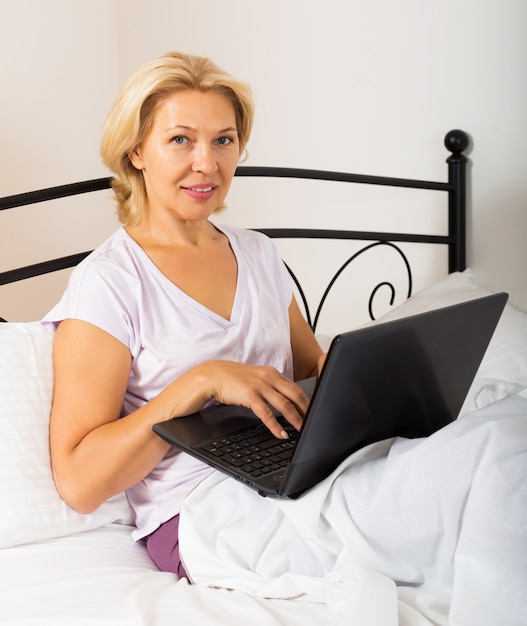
(117, 251)
(112, 265)
(256, 249)
(245, 236)
(113, 246)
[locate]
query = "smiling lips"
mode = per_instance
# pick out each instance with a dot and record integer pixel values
(201, 192)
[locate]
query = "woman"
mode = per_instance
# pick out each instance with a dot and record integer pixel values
(171, 312)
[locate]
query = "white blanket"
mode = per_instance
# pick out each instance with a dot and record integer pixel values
(446, 515)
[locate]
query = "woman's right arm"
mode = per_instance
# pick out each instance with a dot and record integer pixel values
(95, 453)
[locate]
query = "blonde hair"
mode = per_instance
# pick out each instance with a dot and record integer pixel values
(132, 114)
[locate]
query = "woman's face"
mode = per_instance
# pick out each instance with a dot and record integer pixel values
(189, 157)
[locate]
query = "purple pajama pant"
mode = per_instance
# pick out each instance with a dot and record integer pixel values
(163, 547)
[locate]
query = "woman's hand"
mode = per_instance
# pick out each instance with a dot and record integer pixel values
(257, 388)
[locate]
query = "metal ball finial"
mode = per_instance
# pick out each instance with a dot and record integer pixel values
(456, 141)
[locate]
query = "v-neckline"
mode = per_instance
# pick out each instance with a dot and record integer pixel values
(235, 309)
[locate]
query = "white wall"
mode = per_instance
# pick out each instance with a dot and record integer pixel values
(373, 87)
(341, 84)
(58, 77)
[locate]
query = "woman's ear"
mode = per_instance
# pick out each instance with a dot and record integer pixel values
(135, 159)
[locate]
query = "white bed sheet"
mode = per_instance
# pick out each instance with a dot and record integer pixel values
(100, 577)
(446, 515)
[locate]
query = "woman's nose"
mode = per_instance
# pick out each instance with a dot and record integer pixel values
(203, 158)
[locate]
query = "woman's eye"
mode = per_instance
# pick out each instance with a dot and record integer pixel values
(224, 141)
(180, 140)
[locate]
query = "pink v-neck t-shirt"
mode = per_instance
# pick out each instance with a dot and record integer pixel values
(120, 290)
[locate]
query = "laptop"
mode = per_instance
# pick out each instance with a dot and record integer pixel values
(408, 378)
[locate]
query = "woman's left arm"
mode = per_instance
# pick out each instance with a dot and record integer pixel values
(308, 357)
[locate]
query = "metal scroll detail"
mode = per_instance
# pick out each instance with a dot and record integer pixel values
(313, 322)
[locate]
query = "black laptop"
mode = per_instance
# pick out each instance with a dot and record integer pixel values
(407, 378)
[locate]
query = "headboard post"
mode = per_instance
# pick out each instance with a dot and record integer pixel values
(456, 141)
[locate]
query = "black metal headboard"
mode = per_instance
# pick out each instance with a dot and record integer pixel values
(456, 142)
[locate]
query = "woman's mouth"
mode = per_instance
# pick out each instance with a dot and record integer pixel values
(200, 192)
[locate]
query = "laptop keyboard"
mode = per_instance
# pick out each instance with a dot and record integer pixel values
(255, 451)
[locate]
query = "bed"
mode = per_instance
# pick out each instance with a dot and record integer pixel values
(60, 567)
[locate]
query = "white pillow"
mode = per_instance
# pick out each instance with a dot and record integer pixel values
(31, 509)
(503, 370)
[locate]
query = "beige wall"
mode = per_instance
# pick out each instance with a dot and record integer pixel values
(346, 85)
